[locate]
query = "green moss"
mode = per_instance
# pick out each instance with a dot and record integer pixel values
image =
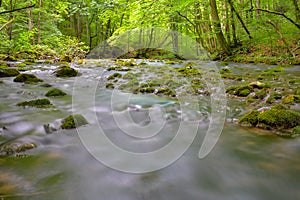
(131, 85)
(126, 63)
(249, 119)
(27, 78)
(113, 76)
(39, 103)
(21, 65)
(189, 71)
(154, 83)
(129, 76)
(241, 91)
(65, 58)
(170, 62)
(278, 119)
(290, 99)
(260, 94)
(147, 90)
(66, 71)
(296, 130)
(9, 72)
(225, 70)
(166, 91)
(273, 97)
(73, 121)
(55, 92)
(47, 85)
(110, 86)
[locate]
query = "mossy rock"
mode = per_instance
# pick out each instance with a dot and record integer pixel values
(110, 86)
(39, 103)
(55, 92)
(13, 147)
(273, 97)
(147, 90)
(249, 119)
(257, 84)
(274, 119)
(27, 78)
(73, 121)
(131, 85)
(189, 71)
(129, 76)
(21, 65)
(9, 72)
(46, 85)
(130, 63)
(66, 71)
(113, 76)
(260, 94)
(166, 91)
(170, 62)
(291, 99)
(278, 119)
(241, 91)
(225, 70)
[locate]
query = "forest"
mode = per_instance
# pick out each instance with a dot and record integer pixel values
(260, 31)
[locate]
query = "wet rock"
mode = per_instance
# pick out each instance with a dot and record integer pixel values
(15, 146)
(66, 71)
(273, 97)
(130, 63)
(55, 92)
(147, 90)
(257, 84)
(9, 72)
(110, 86)
(225, 70)
(27, 78)
(241, 91)
(39, 103)
(65, 58)
(189, 72)
(166, 91)
(249, 119)
(73, 121)
(46, 85)
(170, 62)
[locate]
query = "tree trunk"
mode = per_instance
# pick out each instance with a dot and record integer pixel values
(30, 22)
(10, 28)
(39, 22)
(217, 28)
(257, 7)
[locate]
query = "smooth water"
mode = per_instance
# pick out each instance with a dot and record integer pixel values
(246, 163)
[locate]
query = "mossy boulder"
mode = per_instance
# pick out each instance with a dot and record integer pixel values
(296, 130)
(110, 86)
(260, 94)
(170, 62)
(273, 119)
(129, 76)
(166, 91)
(225, 70)
(131, 85)
(66, 71)
(273, 97)
(114, 75)
(13, 147)
(147, 90)
(73, 121)
(291, 99)
(9, 72)
(39, 103)
(189, 71)
(241, 91)
(27, 78)
(249, 119)
(55, 92)
(129, 63)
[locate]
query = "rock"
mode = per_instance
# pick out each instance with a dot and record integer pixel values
(39, 103)
(55, 92)
(273, 97)
(225, 70)
(46, 85)
(66, 71)
(296, 130)
(65, 58)
(291, 99)
(15, 146)
(130, 63)
(9, 72)
(73, 121)
(27, 78)
(257, 84)
(274, 119)
(241, 91)
(113, 76)
(170, 62)
(166, 91)
(110, 86)
(147, 90)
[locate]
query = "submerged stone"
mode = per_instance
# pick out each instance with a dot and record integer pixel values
(13, 147)
(27, 78)
(66, 71)
(73, 121)
(39, 103)
(9, 72)
(55, 92)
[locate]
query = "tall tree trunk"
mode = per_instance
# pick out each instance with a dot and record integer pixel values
(78, 25)
(235, 42)
(10, 28)
(39, 22)
(217, 28)
(30, 22)
(87, 30)
(257, 7)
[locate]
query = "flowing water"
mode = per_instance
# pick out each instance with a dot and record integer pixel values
(246, 163)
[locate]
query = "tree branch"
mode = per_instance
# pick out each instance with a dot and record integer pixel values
(6, 24)
(278, 13)
(14, 10)
(185, 17)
